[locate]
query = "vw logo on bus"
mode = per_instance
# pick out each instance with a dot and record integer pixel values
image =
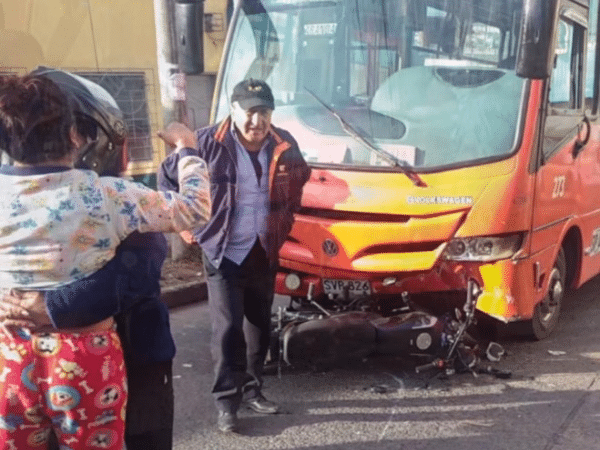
(330, 248)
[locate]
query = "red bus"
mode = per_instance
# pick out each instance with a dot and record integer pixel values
(448, 139)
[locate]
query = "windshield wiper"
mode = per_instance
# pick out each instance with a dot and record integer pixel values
(363, 139)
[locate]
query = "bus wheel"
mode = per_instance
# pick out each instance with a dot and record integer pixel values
(545, 314)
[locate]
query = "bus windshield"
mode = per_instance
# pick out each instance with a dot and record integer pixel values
(430, 82)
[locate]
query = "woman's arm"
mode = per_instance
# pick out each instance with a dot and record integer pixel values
(81, 303)
(132, 206)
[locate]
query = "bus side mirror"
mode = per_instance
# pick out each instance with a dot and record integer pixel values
(189, 15)
(535, 57)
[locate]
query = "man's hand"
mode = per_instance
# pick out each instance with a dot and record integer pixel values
(187, 237)
(178, 135)
(24, 309)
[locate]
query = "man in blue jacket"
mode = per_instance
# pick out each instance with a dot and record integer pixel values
(257, 174)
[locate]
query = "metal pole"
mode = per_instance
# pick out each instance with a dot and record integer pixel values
(173, 111)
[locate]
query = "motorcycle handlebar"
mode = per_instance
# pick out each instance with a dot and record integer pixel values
(435, 364)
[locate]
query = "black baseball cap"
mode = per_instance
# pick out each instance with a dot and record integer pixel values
(251, 93)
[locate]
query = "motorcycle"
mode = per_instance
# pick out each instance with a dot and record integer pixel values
(306, 333)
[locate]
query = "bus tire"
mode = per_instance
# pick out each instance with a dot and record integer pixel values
(545, 313)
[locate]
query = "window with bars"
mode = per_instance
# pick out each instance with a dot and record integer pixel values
(131, 93)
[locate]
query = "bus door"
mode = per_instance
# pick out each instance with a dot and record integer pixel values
(588, 159)
(566, 172)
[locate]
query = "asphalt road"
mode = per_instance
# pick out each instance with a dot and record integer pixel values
(551, 402)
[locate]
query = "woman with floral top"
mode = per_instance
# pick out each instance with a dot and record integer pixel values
(58, 225)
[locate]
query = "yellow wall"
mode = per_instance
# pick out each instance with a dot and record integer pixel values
(85, 35)
(214, 41)
(123, 32)
(98, 36)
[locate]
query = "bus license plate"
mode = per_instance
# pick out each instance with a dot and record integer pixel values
(354, 288)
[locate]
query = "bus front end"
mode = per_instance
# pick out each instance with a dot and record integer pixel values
(415, 124)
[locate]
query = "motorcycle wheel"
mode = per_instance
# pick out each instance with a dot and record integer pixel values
(545, 314)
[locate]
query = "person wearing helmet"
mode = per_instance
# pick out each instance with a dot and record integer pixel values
(73, 308)
(142, 318)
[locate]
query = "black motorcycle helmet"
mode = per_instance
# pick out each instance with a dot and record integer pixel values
(98, 118)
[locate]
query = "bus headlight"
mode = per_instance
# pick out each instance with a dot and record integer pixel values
(292, 281)
(482, 248)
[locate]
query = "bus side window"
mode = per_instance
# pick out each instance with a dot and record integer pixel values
(592, 51)
(565, 108)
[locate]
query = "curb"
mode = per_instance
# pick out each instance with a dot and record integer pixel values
(184, 294)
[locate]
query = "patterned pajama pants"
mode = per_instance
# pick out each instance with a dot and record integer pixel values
(72, 383)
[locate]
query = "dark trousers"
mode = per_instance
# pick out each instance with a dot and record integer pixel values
(150, 408)
(239, 346)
